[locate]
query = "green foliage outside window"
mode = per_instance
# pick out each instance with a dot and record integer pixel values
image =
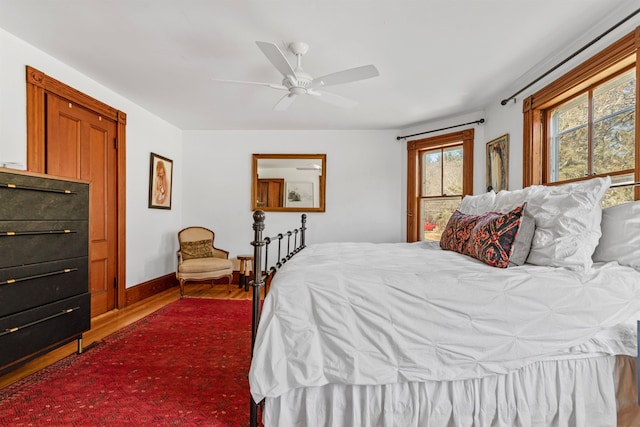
(442, 177)
(594, 133)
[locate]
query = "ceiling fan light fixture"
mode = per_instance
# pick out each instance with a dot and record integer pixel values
(297, 85)
(298, 48)
(297, 82)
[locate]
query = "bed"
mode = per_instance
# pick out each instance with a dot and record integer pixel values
(454, 333)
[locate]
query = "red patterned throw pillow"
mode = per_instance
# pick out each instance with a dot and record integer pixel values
(489, 238)
(457, 232)
(492, 239)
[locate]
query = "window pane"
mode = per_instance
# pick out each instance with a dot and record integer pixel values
(570, 140)
(452, 171)
(573, 114)
(572, 154)
(615, 196)
(432, 173)
(615, 95)
(614, 124)
(613, 143)
(434, 215)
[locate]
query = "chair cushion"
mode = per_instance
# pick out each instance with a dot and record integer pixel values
(203, 265)
(197, 249)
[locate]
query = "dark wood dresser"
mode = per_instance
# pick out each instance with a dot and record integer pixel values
(44, 247)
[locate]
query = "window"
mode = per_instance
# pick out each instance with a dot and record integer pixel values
(440, 173)
(593, 133)
(584, 124)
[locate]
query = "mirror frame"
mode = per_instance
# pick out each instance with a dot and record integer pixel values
(254, 181)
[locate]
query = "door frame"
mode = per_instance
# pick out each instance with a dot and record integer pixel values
(38, 85)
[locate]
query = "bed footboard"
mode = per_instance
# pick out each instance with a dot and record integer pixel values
(263, 272)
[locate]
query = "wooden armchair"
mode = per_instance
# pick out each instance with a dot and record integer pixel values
(199, 260)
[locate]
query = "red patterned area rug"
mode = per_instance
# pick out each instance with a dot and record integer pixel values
(183, 365)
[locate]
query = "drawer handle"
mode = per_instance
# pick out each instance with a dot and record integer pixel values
(35, 233)
(27, 187)
(35, 322)
(38, 276)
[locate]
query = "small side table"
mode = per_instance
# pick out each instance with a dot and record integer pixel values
(246, 269)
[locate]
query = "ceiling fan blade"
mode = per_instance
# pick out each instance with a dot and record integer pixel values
(276, 57)
(333, 99)
(346, 76)
(271, 85)
(284, 102)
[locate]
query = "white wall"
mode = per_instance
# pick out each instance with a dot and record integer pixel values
(151, 240)
(508, 119)
(502, 120)
(499, 120)
(366, 170)
(364, 190)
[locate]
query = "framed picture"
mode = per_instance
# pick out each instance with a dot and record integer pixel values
(299, 194)
(160, 181)
(498, 164)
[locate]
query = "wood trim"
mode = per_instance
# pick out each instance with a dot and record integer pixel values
(38, 85)
(160, 284)
(121, 135)
(49, 84)
(321, 182)
(412, 191)
(149, 288)
(36, 126)
(583, 73)
(637, 126)
(467, 179)
(613, 58)
(532, 155)
(413, 148)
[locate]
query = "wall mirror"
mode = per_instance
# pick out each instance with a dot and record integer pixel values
(288, 182)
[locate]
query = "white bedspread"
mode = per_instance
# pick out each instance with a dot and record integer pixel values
(367, 314)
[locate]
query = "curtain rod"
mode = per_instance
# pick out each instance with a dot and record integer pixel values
(627, 184)
(398, 138)
(592, 42)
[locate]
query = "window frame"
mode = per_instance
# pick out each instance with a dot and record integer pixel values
(621, 55)
(415, 149)
(548, 147)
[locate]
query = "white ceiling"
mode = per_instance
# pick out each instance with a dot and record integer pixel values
(436, 58)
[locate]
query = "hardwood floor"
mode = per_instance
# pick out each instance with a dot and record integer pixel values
(110, 322)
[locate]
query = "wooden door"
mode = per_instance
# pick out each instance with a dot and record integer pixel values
(81, 144)
(270, 192)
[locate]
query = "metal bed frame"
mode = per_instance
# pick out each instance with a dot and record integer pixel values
(263, 273)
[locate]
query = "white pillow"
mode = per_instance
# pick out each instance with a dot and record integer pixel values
(508, 200)
(479, 204)
(620, 239)
(567, 220)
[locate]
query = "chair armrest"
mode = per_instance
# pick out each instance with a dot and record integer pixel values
(220, 253)
(179, 255)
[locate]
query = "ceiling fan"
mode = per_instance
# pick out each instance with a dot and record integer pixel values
(296, 82)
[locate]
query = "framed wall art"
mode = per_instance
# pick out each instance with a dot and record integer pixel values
(299, 194)
(498, 164)
(160, 182)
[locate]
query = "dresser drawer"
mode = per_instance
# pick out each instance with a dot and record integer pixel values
(33, 285)
(24, 197)
(30, 242)
(26, 333)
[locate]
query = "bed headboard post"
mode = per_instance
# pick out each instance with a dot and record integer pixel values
(257, 283)
(302, 230)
